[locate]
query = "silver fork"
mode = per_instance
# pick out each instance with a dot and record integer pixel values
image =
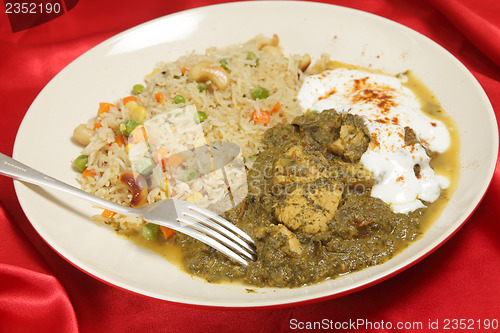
(181, 216)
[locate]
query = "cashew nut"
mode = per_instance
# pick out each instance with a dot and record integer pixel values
(304, 62)
(274, 41)
(82, 134)
(138, 186)
(270, 45)
(273, 50)
(207, 71)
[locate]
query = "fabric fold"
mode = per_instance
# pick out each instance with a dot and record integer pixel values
(33, 302)
(31, 298)
(472, 21)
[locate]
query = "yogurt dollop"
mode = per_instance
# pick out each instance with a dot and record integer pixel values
(387, 107)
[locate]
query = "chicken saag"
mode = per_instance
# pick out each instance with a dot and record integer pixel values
(309, 209)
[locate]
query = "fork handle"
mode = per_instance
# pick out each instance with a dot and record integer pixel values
(11, 168)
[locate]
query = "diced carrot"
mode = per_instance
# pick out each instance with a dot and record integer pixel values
(275, 108)
(175, 161)
(184, 70)
(89, 173)
(138, 134)
(160, 155)
(104, 108)
(167, 232)
(97, 125)
(108, 213)
(159, 97)
(260, 116)
(119, 140)
(128, 99)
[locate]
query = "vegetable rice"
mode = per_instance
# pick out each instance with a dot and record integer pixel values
(234, 93)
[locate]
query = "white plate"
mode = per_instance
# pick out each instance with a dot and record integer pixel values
(109, 70)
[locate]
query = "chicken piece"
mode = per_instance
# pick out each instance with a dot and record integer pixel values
(337, 147)
(293, 242)
(295, 165)
(351, 144)
(309, 208)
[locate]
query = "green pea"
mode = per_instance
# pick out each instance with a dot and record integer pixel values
(150, 231)
(313, 111)
(223, 63)
(127, 127)
(260, 93)
(80, 163)
(252, 56)
(137, 89)
(190, 175)
(145, 165)
(199, 117)
(179, 99)
(202, 87)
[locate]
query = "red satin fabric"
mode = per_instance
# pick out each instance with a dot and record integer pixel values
(41, 292)
(31, 297)
(36, 296)
(477, 20)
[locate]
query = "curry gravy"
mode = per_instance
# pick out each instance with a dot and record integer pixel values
(447, 163)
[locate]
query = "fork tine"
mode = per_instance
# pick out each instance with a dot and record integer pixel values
(228, 225)
(183, 217)
(201, 236)
(229, 242)
(216, 225)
